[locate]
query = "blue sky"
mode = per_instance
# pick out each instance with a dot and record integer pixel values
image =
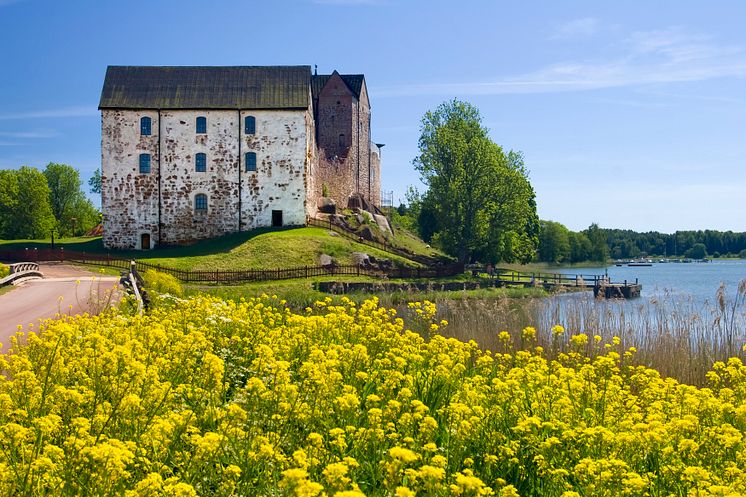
(630, 114)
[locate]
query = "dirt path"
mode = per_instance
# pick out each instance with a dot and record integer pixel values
(67, 290)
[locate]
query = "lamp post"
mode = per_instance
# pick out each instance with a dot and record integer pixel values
(380, 146)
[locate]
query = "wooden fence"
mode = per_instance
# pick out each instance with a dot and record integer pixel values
(229, 276)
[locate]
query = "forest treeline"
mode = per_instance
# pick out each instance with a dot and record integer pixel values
(558, 244)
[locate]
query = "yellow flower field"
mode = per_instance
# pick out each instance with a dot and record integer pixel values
(213, 398)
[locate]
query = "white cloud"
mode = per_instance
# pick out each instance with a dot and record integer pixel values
(40, 133)
(80, 111)
(644, 58)
(577, 28)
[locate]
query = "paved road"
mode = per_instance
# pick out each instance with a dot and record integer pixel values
(58, 292)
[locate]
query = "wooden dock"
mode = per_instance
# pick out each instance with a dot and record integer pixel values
(601, 285)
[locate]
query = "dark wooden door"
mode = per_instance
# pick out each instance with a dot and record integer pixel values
(276, 218)
(145, 241)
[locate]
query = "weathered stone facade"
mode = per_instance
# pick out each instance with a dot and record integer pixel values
(343, 135)
(279, 185)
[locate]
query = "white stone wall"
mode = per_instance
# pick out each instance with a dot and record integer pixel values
(284, 146)
(129, 200)
(279, 183)
(180, 182)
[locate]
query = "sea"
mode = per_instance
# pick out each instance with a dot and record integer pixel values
(706, 298)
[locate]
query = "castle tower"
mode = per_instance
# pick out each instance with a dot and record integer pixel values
(342, 113)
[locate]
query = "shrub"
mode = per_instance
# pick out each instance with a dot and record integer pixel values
(4, 270)
(162, 283)
(742, 254)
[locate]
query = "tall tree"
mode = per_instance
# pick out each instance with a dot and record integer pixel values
(554, 242)
(64, 195)
(95, 182)
(481, 200)
(24, 208)
(599, 249)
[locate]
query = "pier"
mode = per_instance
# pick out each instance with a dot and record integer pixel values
(601, 285)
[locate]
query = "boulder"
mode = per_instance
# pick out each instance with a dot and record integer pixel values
(361, 259)
(383, 223)
(367, 234)
(326, 260)
(326, 205)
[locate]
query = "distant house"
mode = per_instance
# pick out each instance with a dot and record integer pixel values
(190, 153)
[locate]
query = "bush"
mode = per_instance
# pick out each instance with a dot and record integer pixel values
(698, 251)
(742, 254)
(162, 283)
(216, 398)
(4, 270)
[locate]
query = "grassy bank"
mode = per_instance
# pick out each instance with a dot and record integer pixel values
(257, 249)
(300, 294)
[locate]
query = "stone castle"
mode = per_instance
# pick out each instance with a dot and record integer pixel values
(189, 153)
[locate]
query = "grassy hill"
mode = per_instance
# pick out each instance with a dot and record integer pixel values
(257, 249)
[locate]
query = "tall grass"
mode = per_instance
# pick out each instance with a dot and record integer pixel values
(674, 334)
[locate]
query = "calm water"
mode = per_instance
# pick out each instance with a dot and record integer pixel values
(673, 294)
(697, 280)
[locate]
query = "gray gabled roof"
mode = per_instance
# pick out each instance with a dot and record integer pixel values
(353, 81)
(206, 87)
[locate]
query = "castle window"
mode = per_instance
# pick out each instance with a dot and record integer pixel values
(200, 202)
(250, 125)
(200, 163)
(145, 126)
(250, 161)
(341, 140)
(144, 163)
(201, 125)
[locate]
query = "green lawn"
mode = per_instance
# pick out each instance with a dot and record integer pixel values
(81, 244)
(257, 249)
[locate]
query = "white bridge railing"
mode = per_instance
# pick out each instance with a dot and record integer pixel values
(21, 270)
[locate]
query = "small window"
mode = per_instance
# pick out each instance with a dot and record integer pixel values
(145, 125)
(250, 161)
(250, 125)
(144, 163)
(200, 163)
(201, 125)
(342, 140)
(200, 202)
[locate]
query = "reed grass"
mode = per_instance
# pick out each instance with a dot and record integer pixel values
(676, 335)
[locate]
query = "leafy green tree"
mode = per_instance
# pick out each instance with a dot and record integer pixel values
(73, 211)
(94, 182)
(698, 251)
(8, 201)
(64, 194)
(25, 211)
(481, 201)
(580, 247)
(554, 242)
(597, 237)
